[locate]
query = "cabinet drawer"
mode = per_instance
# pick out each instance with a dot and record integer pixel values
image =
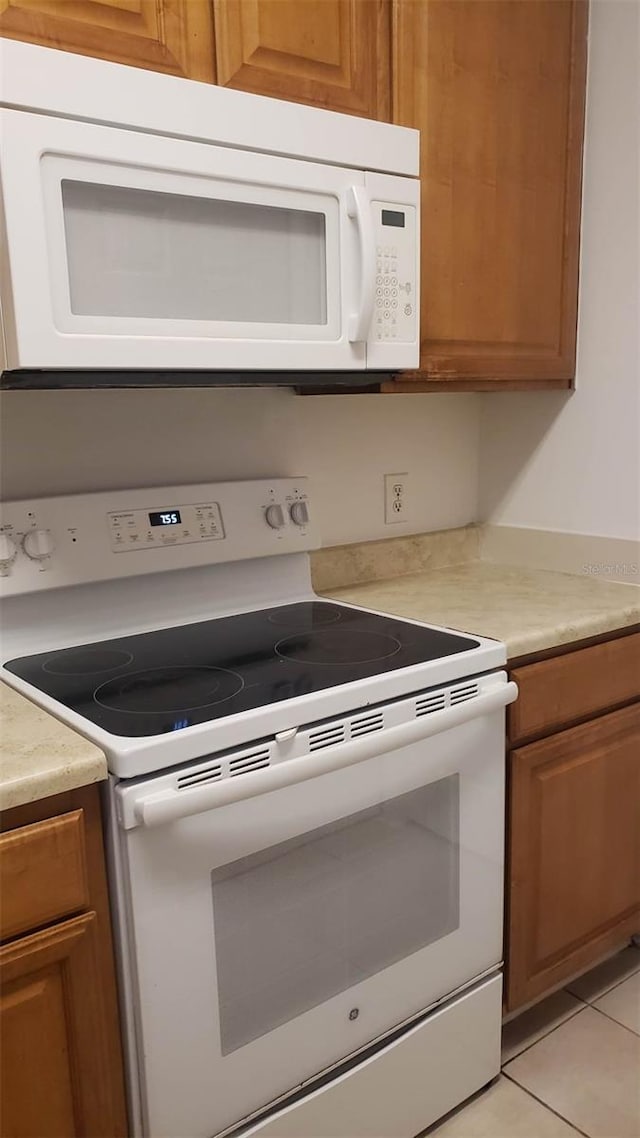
(564, 689)
(43, 873)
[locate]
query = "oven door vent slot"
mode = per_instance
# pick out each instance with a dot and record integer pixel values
(367, 724)
(326, 736)
(462, 693)
(205, 774)
(436, 701)
(255, 761)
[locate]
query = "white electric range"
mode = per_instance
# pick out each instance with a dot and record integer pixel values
(305, 811)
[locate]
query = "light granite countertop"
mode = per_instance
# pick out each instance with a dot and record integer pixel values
(529, 609)
(39, 756)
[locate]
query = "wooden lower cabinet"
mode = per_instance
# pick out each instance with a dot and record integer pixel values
(53, 1052)
(60, 1061)
(574, 851)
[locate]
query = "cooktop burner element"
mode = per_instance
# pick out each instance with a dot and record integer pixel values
(341, 646)
(312, 614)
(89, 661)
(161, 690)
(175, 677)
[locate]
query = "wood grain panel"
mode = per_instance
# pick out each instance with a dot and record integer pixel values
(36, 1054)
(556, 692)
(329, 53)
(106, 1055)
(574, 857)
(56, 1074)
(174, 36)
(497, 90)
(43, 873)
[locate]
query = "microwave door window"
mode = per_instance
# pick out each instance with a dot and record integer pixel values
(142, 254)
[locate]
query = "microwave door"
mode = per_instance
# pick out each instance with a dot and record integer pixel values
(129, 251)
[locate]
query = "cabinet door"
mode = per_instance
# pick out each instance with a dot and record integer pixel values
(574, 851)
(497, 90)
(57, 1077)
(175, 36)
(331, 53)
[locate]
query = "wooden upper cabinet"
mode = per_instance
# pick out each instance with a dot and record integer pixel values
(175, 36)
(330, 53)
(497, 90)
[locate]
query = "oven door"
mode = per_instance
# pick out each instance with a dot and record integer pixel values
(133, 251)
(271, 937)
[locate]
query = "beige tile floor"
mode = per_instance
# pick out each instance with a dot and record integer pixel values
(570, 1065)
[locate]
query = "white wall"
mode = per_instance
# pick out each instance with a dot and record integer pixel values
(59, 442)
(572, 462)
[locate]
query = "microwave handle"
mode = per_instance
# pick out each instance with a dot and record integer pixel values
(159, 807)
(359, 210)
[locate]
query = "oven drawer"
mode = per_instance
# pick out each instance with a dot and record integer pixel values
(560, 691)
(431, 1068)
(43, 873)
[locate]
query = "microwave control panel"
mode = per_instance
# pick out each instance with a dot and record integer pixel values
(396, 285)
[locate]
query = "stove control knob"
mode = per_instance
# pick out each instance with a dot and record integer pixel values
(274, 516)
(7, 551)
(38, 544)
(299, 513)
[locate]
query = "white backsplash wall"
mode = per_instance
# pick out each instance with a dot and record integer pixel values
(572, 462)
(64, 442)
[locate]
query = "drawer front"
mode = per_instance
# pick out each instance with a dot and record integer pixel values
(43, 873)
(564, 689)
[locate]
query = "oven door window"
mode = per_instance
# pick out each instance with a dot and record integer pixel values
(313, 916)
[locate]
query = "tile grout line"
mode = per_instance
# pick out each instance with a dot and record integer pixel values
(546, 1105)
(613, 1020)
(546, 1034)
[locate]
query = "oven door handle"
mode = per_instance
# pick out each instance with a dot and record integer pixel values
(155, 809)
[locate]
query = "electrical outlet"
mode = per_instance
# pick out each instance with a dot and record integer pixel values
(395, 498)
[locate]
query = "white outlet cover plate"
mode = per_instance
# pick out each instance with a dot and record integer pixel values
(395, 498)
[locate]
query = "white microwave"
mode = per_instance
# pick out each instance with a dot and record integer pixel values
(153, 223)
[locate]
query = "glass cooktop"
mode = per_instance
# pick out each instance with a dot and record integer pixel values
(170, 679)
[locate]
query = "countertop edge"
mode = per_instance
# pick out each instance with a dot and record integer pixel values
(46, 784)
(579, 631)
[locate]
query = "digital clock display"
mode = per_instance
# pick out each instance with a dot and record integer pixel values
(393, 217)
(165, 518)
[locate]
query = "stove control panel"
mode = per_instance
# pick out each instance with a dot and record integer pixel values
(52, 542)
(168, 525)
